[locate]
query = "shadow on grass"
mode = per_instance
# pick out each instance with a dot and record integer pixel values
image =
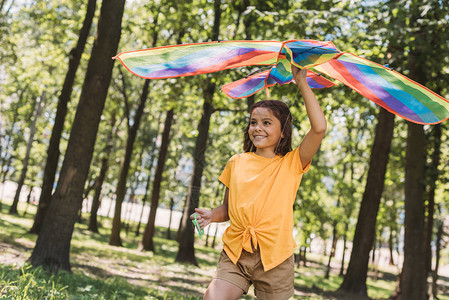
(177, 283)
(310, 282)
(314, 292)
(15, 229)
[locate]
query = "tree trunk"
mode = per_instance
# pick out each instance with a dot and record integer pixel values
(440, 233)
(414, 276)
(147, 241)
(436, 136)
(110, 205)
(53, 244)
(206, 244)
(390, 247)
(186, 251)
(178, 234)
(342, 268)
(30, 191)
(114, 239)
(150, 168)
(215, 236)
(61, 111)
(355, 279)
(93, 224)
(37, 112)
(129, 211)
(80, 211)
(121, 185)
(413, 285)
(304, 256)
(90, 184)
(144, 200)
(332, 252)
(172, 204)
(373, 252)
(376, 249)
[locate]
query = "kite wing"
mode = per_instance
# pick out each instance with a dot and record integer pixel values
(387, 88)
(246, 87)
(194, 59)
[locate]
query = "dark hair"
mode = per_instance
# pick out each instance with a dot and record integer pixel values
(281, 111)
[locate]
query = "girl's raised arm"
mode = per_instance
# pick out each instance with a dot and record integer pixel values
(318, 124)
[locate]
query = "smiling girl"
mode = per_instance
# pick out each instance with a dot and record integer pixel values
(261, 186)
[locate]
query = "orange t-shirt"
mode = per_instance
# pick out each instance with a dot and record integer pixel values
(261, 195)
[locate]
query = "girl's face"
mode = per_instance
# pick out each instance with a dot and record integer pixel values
(264, 131)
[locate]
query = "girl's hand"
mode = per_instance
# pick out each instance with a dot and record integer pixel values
(203, 217)
(299, 75)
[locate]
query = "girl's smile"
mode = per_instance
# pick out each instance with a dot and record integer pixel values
(264, 131)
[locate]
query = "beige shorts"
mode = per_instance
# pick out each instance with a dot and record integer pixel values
(276, 283)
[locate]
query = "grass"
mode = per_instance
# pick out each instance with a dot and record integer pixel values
(99, 270)
(36, 283)
(102, 271)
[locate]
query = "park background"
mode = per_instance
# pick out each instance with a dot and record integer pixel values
(99, 161)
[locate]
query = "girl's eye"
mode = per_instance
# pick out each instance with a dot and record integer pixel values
(266, 123)
(252, 123)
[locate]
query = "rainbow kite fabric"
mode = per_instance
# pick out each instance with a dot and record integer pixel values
(387, 88)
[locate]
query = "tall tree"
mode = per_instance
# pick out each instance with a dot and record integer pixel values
(433, 177)
(414, 275)
(147, 241)
(53, 152)
(356, 274)
(114, 238)
(437, 36)
(37, 112)
(439, 246)
(93, 224)
(152, 153)
(52, 248)
(186, 250)
(355, 278)
(413, 283)
(120, 192)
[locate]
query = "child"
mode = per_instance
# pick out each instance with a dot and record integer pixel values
(261, 188)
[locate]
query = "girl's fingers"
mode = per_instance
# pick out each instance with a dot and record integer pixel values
(192, 216)
(200, 214)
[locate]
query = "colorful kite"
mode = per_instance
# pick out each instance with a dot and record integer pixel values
(387, 88)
